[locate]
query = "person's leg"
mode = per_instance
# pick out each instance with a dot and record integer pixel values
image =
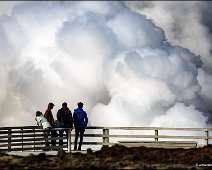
(53, 135)
(76, 138)
(82, 130)
(61, 135)
(46, 134)
(66, 136)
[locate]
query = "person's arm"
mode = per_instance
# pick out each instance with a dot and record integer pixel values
(46, 113)
(71, 118)
(52, 120)
(37, 121)
(59, 116)
(86, 119)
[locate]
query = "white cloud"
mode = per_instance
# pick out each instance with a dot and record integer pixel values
(114, 60)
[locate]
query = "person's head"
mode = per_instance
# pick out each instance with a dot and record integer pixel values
(64, 105)
(80, 105)
(38, 113)
(51, 105)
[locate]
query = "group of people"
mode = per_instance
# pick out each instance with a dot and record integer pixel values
(65, 119)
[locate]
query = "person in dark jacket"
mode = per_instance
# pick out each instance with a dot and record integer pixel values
(64, 116)
(80, 120)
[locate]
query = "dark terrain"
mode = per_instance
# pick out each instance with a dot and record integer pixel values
(115, 157)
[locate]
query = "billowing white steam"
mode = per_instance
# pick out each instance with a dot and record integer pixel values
(185, 23)
(116, 61)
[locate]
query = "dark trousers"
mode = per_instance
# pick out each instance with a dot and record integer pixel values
(53, 134)
(78, 131)
(46, 134)
(61, 135)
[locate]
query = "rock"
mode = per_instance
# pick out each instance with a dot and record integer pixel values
(89, 151)
(42, 156)
(61, 153)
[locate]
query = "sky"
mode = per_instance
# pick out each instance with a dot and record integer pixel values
(131, 63)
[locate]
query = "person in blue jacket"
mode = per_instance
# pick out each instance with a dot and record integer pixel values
(80, 120)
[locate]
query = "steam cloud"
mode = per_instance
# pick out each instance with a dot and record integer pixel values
(109, 56)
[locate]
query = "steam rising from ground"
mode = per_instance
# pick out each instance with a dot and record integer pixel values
(114, 60)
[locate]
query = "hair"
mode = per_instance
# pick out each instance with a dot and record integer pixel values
(38, 113)
(50, 105)
(64, 104)
(80, 105)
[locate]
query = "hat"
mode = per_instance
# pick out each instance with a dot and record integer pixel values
(51, 104)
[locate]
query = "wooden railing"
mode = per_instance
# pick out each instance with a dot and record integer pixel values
(32, 137)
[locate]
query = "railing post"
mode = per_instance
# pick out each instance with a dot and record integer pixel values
(105, 137)
(34, 137)
(206, 137)
(156, 135)
(9, 140)
(69, 140)
(22, 139)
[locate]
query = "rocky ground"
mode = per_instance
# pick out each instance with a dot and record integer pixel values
(115, 157)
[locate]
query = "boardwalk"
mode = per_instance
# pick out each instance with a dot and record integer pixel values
(31, 138)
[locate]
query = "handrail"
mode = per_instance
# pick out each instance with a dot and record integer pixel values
(119, 128)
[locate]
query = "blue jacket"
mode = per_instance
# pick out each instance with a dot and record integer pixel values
(80, 118)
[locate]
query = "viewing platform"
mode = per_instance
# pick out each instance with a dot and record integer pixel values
(31, 138)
